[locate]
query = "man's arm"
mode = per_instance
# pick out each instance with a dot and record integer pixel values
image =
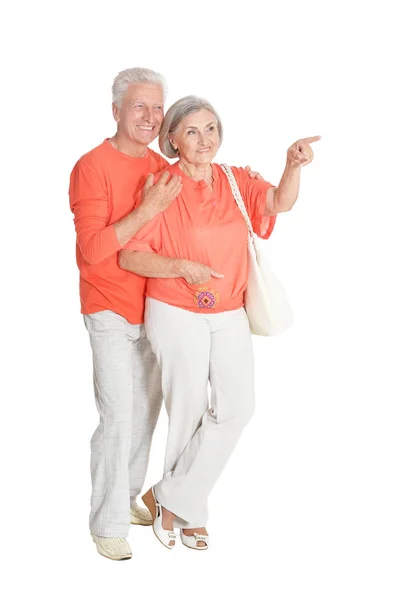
(149, 264)
(89, 203)
(155, 199)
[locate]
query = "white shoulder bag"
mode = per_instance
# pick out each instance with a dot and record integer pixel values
(265, 300)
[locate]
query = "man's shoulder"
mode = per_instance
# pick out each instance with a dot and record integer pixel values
(93, 157)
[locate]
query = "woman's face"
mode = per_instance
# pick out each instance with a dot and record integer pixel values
(197, 137)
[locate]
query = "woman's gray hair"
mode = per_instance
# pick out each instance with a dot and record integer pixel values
(176, 113)
(135, 75)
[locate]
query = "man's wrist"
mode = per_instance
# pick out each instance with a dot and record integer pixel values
(143, 215)
(180, 267)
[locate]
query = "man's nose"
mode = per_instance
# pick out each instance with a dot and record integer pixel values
(149, 114)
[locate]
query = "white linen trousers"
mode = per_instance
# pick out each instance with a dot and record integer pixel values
(193, 349)
(127, 387)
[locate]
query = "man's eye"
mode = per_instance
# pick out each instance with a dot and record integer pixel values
(158, 108)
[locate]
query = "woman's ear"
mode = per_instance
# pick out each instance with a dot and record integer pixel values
(173, 144)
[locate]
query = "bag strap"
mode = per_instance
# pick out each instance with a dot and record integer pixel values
(238, 198)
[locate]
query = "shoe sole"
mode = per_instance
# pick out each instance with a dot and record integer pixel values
(149, 501)
(197, 548)
(113, 557)
(137, 521)
(125, 557)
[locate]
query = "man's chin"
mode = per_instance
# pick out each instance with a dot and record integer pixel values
(147, 137)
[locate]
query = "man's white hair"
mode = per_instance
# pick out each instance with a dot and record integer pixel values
(135, 75)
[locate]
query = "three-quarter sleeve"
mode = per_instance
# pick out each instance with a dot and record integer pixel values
(89, 204)
(253, 192)
(148, 238)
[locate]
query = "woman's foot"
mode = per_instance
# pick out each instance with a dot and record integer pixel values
(162, 520)
(198, 537)
(168, 519)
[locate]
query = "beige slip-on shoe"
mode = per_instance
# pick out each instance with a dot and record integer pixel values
(139, 515)
(112, 547)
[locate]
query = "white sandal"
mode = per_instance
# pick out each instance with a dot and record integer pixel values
(165, 536)
(191, 541)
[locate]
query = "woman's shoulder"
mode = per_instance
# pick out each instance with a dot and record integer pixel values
(238, 172)
(220, 166)
(172, 169)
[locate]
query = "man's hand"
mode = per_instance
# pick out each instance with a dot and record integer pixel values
(253, 174)
(196, 273)
(149, 264)
(157, 197)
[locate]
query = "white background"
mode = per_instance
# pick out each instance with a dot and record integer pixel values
(308, 505)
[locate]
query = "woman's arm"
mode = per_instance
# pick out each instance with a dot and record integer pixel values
(283, 197)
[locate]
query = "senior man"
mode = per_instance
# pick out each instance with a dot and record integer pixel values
(112, 196)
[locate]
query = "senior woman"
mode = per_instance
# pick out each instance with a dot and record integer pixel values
(195, 317)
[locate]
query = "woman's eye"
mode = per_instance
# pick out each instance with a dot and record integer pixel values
(190, 132)
(211, 128)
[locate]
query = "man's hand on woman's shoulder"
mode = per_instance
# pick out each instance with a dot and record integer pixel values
(253, 174)
(158, 196)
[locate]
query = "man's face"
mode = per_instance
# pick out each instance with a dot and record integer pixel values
(141, 113)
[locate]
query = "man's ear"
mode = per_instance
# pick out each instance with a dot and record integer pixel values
(116, 112)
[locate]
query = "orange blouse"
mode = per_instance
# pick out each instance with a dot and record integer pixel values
(206, 227)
